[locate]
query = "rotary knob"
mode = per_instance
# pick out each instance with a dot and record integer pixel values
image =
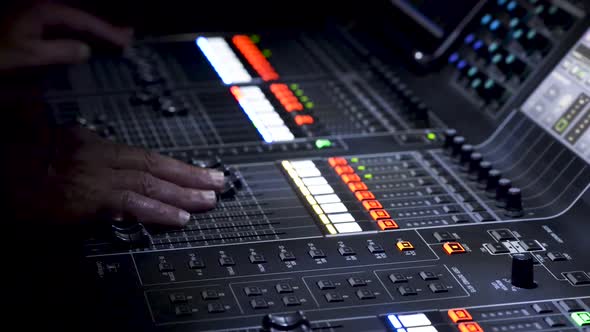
(449, 136)
(482, 173)
(458, 143)
(514, 203)
(474, 160)
(502, 192)
(494, 176)
(523, 273)
(465, 156)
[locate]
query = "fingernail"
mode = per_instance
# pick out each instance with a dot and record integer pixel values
(210, 196)
(84, 51)
(183, 217)
(217, 178)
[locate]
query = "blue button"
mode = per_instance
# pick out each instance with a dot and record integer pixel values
(501, 2)
(517, 34)
(453, 58)
(514, 22)
(486, 19)
(469, 38)
(493, 47)
(478, 44)
(494, 25)
(511, 6)
(462, 64)
(394, 321)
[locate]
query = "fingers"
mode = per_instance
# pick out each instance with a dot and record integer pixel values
(56, 14)
(41, 52)
(147, 185)
(145, 209)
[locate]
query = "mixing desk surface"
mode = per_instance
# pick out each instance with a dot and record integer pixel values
(366, 190)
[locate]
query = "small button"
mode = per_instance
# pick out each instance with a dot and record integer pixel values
(375, 249)
(357, 186)
(379, 214)
(284, 287)
(427, 275)
(226, 261)
(459, 315)
(252, 291)
(444, 236)
(177, 298)
(469, 327)
(291, 300)
(406, 290)
(210, 294)
(453, 248)
(215, 307)
(337, 161)
(497, 248)
(502, 234)
(183, 310)
(364, 195)
(166, 267)
(372, 205)
(326, 284)
(578, 278)
(356, 282)
(530, 245)
(556, 256)
(365, 294)
(397, 278)
(438, 288)
(345, 169)
(542, 308)
(570, 305)
(259, 303)
(555, 321)
(347, 178)
(333, 297)
(257, 259)
(404, 245)
(316, 253)
(581, 318)
(387, 224)
(346, 251)
(196, 263)
(287, 256)
(450, 209)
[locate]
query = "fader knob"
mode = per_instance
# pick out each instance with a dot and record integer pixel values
(465, 155)
(474, 161)
(458, 143)
(494, 176)
(514, 203)
(449, 136)
(502, 191)
(523, 273)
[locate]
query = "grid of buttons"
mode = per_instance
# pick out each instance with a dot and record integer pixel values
(255, 57)
(328, 207)
(223, 59)
(353, 181)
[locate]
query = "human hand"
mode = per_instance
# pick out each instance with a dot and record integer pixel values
(23, 40)
(92, 177)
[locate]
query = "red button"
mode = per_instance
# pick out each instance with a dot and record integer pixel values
(356, 186)
(337, 161)
(362, 195)
(380, 214)
(343, 170)
(387, 224)
(372, 205)
(301, 120)
(347, 178)
(470, 327)
(452, 248)
(459, 315)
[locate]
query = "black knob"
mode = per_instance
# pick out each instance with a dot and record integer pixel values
(514, 203)
(421, 116)
(458, 142)
(129, 232)
(449, 136)
(502, 192)
(465, 155)
(295, 321)
(494, 176)
(474, 161)
(482, 173)
(523, 274)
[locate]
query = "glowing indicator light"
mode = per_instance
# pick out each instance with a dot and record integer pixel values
(362, 168)
(453, 58)
(431, 136)
(404, 246)
(323, 143)
(394, 321)
(304, 99)
(581, 318)
(414, 320)
(309, 104)
(459, 315)
(324, 219)
(349, 227)
(302, 120)
(255, 57)
(317, 209)
(387, 224)
(470, 327)
(286, 97)
(223, 59)
(267, 53)
(368, 176)
(299, 92)
(331, 229)
(354, 160)
(494, 25)
(311, 200)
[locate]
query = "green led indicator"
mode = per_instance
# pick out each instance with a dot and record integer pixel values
(294, 86)
(517, 34)
(309, 104)
(581, 318)
(497, 58)
(267, 53)
(431, 136)
(368, 176)
(489, 84)
(472, 71)
(354, 160)
(323, 143)
(361, 168)
(304, 99)
(255, 39)
(561, 125)
(299, 92)
(476, 83)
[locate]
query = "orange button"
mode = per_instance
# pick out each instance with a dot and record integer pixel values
(362, 195)
(301, 120)
(380, 214)
(459, 315)
(452, 248)
(470, 327)
(337, 161)
(356, 186)
(343, 170)
(372, 205)
(387, 224)
(347, 178)
(404, 245)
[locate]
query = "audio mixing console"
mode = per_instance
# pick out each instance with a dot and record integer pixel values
(360, 195)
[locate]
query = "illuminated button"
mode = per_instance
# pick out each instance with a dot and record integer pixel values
(414, 320)
(323, 143)
(334, 208)
(470, 327)
(387, 224)
(394, 321)
(453, 248)
(372, 205)
(379, 214)
(337, 161)
(315, 181)
(301, 164)
(321, 189)
(302, 120)
(341, 218)
(348, 227)
(404, 246)
(347, 178)
(364, 195)
(308, 172)
(331, 198)
(428, 328)
(343, 170)
(459, 315)
(357, 186)
(581, 318)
